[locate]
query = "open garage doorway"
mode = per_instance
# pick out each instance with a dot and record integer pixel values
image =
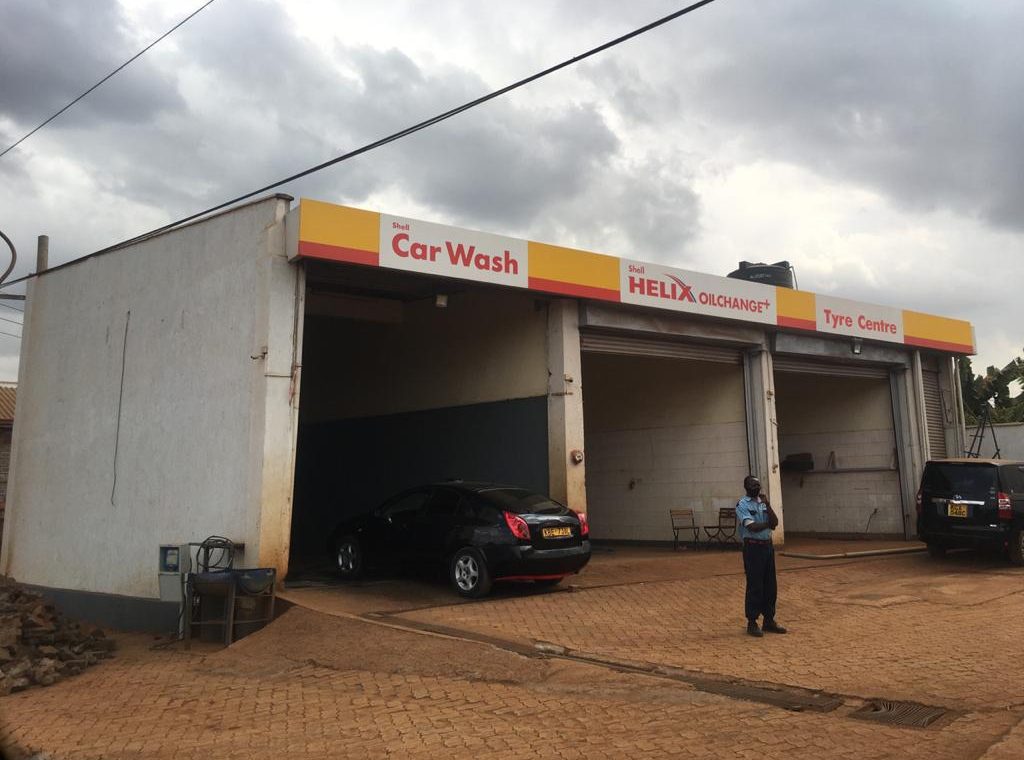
(665, 427)
(837, 449)
(408, 380)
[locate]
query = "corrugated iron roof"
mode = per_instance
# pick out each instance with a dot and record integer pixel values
(8, 396)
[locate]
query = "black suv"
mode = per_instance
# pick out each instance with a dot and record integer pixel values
(972, 502)
(480, 532)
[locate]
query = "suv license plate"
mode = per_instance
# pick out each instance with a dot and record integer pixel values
(953, 509)
(564, 532)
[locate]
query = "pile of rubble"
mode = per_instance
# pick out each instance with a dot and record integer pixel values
(38, 645)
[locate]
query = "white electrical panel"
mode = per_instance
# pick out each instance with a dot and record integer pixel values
(175, 562)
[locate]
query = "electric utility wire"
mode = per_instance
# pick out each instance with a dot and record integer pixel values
(12, 308)
(108, 76)
(10, 334)
(386, 140)
(12, 321)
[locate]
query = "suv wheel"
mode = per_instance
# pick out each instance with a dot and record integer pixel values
(468, 573)
(348, 557)
(1017, 547)
(936, 550)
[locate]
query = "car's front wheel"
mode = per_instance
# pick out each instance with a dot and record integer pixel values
(348, 557)
(468, 573)
(1017, 548)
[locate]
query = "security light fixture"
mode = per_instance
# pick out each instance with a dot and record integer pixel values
(857, 342)
(441, 300)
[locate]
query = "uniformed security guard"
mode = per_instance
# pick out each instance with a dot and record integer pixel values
(757, 520)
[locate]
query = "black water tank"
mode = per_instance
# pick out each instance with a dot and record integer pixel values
(779, 273)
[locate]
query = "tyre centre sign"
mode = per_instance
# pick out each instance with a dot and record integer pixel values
(320, 230)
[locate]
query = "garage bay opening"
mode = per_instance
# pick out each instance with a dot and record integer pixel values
(409, 380)
(837, 449)
(666, 429)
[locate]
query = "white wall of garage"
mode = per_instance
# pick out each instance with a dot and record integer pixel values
(851, 417)
(675, 429)
(485, 346)
(167, 426)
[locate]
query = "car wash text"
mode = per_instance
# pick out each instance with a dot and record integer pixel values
(458, 254)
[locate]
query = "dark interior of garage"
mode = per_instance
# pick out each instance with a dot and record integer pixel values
(399, 390)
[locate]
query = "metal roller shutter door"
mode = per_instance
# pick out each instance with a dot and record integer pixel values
(934, 415)
(628, 346)
(802, 366)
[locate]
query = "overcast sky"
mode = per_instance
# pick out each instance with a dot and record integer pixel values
(878, 146)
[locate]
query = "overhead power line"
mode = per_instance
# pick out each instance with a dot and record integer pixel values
(12, 321)
(12, 308)
(390, 138)
(10, 334)
(108, 76)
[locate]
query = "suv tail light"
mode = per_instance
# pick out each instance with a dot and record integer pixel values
(584, 525)
(920, 507)
(1005, 506)
(517, 525)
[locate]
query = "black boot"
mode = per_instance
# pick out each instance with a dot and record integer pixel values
(753, 630)
(770, 626)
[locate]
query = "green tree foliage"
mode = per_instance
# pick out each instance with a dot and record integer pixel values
(993, 389)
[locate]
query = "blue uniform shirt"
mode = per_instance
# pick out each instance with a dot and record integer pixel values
(751, 510)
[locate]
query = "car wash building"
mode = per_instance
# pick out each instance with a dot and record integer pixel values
(267, 371)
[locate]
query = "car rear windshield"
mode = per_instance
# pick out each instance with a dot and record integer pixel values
(977, 481)
(522, 502)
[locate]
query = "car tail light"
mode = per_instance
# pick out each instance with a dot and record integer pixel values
(584, 525)
(919, 505)
(1005, 506)
(517, 525)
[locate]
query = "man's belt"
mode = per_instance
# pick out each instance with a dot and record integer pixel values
(756, 541)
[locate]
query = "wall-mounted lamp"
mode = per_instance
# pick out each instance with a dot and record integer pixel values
(441, 300)
(857, 342)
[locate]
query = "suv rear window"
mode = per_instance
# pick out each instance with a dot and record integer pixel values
(970, 481)
(520, 501)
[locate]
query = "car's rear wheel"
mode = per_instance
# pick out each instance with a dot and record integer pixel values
(1017, 548)
(936, 550)
(348, 557)
(468, 573)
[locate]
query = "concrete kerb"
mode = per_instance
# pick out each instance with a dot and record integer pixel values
(855, 555)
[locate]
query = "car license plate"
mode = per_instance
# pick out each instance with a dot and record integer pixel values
(953, 509)
(564, 532)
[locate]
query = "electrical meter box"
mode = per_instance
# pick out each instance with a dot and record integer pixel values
(175, 563)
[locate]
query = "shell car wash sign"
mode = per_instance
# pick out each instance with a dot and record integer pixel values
(438, 249)
(320, 230)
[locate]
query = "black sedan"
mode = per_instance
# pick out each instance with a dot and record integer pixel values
(480, 531)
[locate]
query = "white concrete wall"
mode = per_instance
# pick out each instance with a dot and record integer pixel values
(485, 346)
(674, 429)
(1009, 436)
(103, 476)
(853, 418)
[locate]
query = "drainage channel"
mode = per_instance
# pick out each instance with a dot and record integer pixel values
(787, 697)
(793, 698)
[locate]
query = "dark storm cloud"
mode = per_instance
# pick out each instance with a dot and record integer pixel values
(919, 99)
(53, 50)
(292, 106)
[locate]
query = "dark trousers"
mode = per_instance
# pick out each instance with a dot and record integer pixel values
(762, 591)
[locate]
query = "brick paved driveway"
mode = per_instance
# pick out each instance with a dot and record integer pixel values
(905, 628)
(318, 685)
